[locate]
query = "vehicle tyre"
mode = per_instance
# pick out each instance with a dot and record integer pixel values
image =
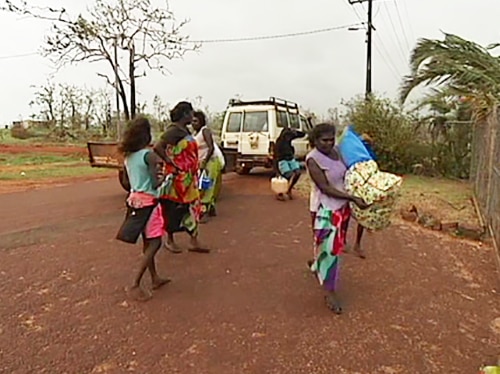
(243, 170)
(123, 178)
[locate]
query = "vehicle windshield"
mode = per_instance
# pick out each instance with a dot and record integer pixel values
(255, 122)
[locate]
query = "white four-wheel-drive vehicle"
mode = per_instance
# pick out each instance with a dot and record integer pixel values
(251, 128)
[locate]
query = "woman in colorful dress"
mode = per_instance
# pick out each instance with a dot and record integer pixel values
(181, 200)
(329, 209)
(144, 215)
(211, 161)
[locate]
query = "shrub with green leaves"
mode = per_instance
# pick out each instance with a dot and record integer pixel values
(404, 147)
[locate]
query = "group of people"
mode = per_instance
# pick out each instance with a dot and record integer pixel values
(166, 195)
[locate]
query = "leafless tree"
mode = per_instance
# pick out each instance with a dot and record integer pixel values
(147, 35)
(160, 112)
(45, 100)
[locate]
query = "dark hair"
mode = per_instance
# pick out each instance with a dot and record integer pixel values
(137, 136)
(201, 117)
(181, 110)
(319, 130)
(285, 135)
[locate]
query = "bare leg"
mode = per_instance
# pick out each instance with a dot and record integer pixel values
(212, 211)
(333, 302)
(205, 215)
(156, 280)
(313, 219)
(293, 181)
(171, 245)
(196, 246)
(150, 248)
(357, 246)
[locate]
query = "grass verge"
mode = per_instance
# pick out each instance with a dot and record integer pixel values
(448, 200)
(50, 171)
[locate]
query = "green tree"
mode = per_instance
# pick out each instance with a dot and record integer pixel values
(458, 67)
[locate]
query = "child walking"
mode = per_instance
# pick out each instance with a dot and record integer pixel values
(144, 216)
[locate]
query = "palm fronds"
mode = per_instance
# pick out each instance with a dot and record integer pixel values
(460, 67)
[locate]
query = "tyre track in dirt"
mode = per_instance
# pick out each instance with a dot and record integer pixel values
(420, 303)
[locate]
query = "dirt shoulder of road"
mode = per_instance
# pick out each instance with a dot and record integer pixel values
(421, 302)
(12, 186)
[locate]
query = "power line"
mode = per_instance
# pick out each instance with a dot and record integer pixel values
(402, 26)
(385, 53)
(412, 31)
(8, 57)
(277, 36)
(387, 61)
(407, 13)
(396, 34)
(236, 40)
(369, 44)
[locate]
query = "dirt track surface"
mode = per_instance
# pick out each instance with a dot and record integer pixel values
(420, 303)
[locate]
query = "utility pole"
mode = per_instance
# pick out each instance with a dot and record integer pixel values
(117, 93)
(369, 30)
(369, 51)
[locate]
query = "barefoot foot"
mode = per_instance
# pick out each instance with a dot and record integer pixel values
(172, 247)
(140, 294)
(333, 304)
(197, 247)
(160, 282)
(359, 251)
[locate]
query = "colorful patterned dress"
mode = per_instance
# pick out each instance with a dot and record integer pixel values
(181, 199)
(213, 169)
(330, 221)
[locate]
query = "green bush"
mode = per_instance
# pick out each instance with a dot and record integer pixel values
(402, 147)
(391, 129)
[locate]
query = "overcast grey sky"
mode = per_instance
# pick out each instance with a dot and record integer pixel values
(317, 71)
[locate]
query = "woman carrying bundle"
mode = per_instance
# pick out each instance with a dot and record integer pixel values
(364, 179)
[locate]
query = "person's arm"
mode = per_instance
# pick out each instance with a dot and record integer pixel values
(319, 179)
(298, 134)
(209, 139)
(155, 170)
(160, 149)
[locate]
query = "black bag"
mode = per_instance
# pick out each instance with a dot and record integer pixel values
(134, 224)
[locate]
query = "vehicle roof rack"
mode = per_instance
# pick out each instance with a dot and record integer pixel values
(271, 101)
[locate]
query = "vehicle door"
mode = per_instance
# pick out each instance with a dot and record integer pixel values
(231, 134)
(255, 133)
(300, 144)
(230, 139)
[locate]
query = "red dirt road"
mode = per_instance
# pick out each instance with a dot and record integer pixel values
(420, 303)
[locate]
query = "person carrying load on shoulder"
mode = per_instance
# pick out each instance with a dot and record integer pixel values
(365, 180)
